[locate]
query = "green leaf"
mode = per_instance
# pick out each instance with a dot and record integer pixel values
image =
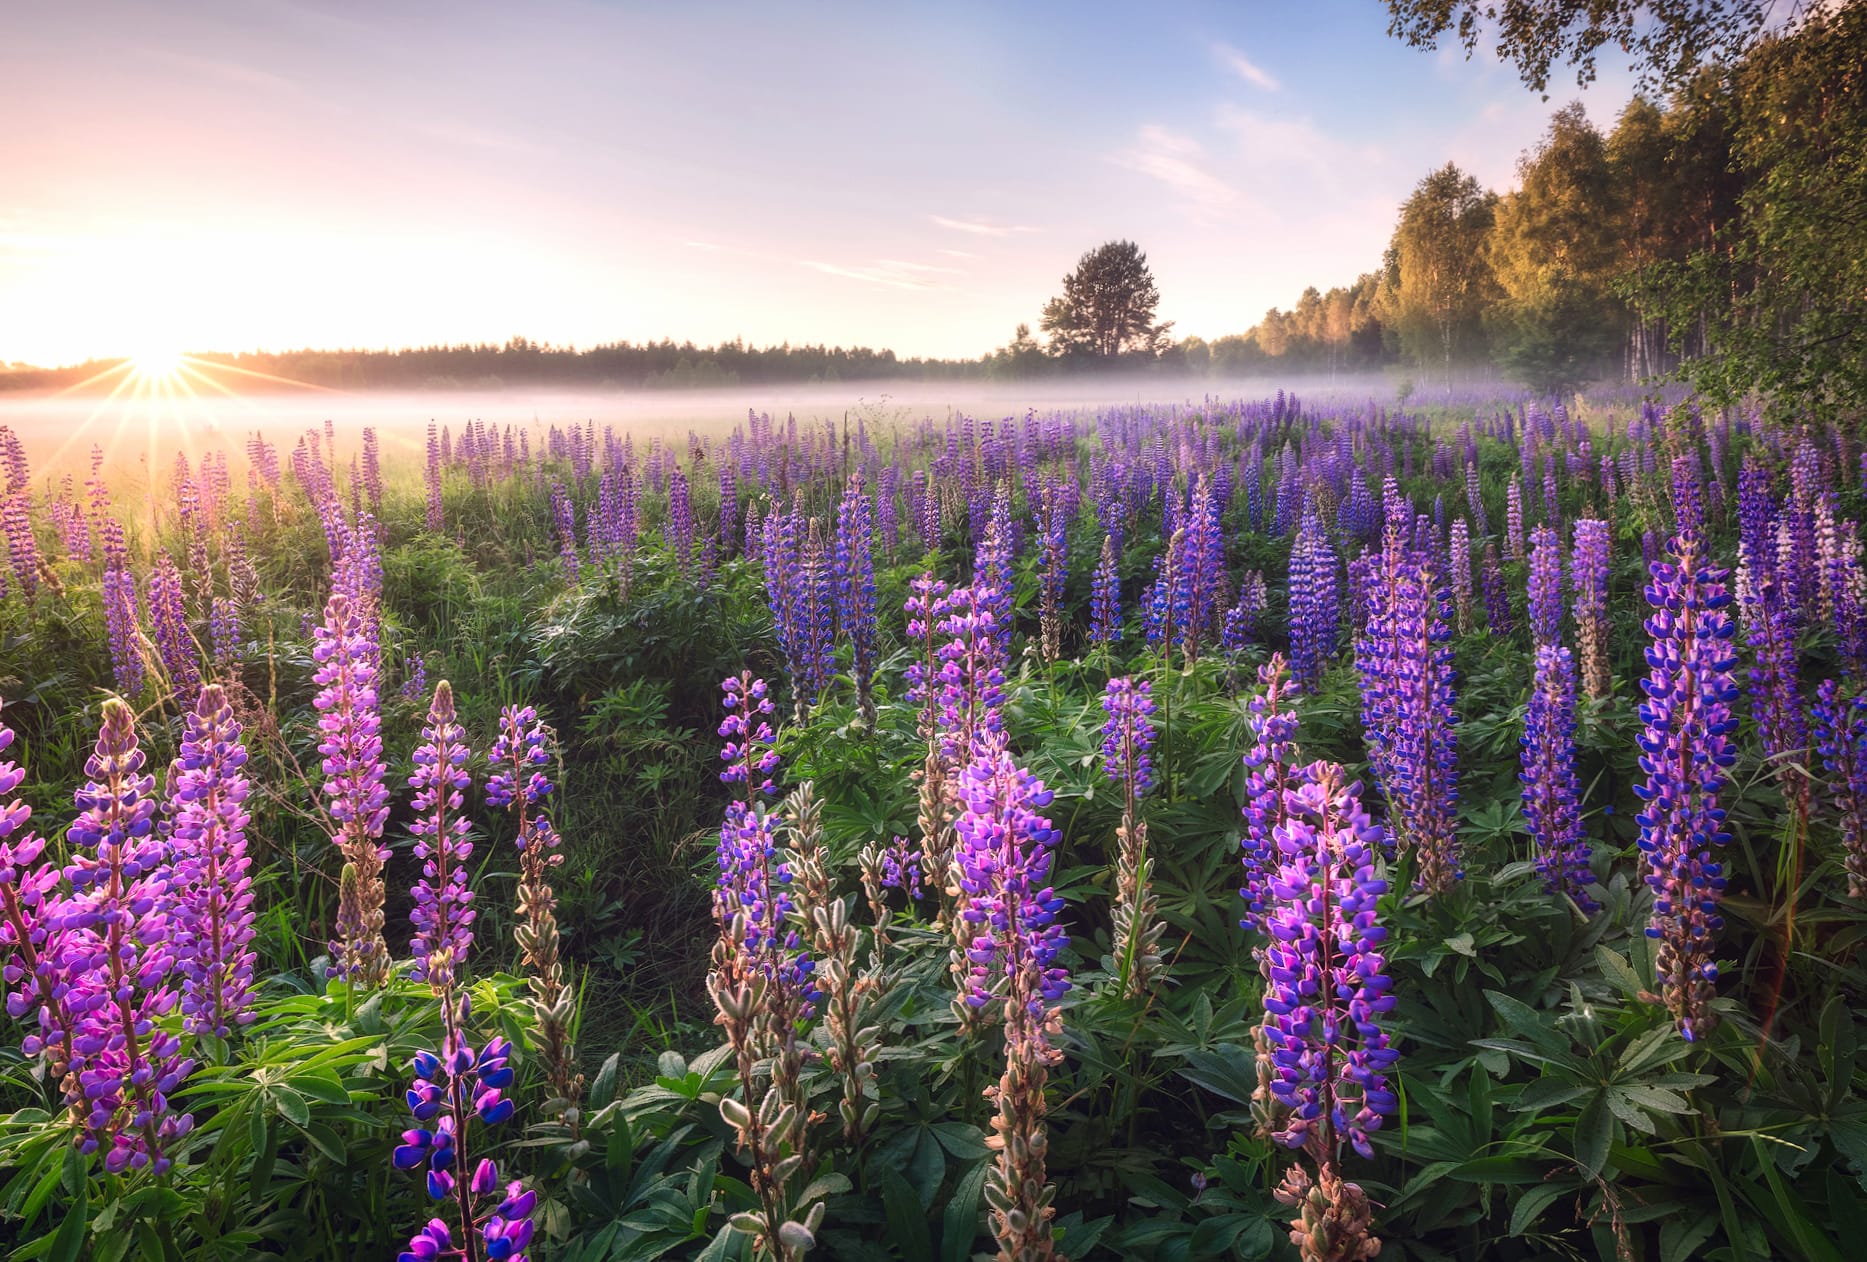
(1531, 1204)
(959, 1225)
(1615, 968)
(907, 1221)
(292, 1106)
(69, 1241)
(1594, 1129)
(1682, 1234)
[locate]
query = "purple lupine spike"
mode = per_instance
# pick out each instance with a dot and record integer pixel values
(122, 954)
(174, 642)
(1775, 700)
(1841, 740)
(972, 679)
(1459, 567)
(1241, 620)
(120, 621)
(1003, 862)
(681, 531)
(1128, 736)
(853, 566)
(564, 522)
(1589, 573)
(213, 894)
(32, 937)
(748, 754)
(1105, 597)
(1545, 592)
(451, 1091)
(1267, 776)
(431, 479)
(1053, 568)
(1685, 749)
(1497, 603)
(1315, 611)
(1327, 987)
(1551, 792)
(443, 913)
(1513, 518)
(1408, 716)
(993, 583)
(350, 741)
(22, 548)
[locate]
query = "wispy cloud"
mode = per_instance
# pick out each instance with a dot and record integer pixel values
(959, 254)
(1179, 162)
(892, 273)
(1244, 67)
(981, 227)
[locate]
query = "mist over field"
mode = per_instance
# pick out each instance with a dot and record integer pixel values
(59, 430)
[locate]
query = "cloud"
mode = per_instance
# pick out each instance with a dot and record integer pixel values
(1179, 162)
(892, 273)
(980, 227)
(959, 254)
(1244, 67)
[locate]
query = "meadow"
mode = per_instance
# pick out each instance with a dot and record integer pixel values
(1259, 828)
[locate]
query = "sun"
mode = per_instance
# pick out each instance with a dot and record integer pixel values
(157, 363)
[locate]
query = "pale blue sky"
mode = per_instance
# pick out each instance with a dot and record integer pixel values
(280, 173)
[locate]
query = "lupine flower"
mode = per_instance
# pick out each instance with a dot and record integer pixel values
(174, 642)
(1267, 776)
(32, 938)
(443, 914)
(1053, 570)
(972, 679)
(1589, 572)
(1105, 597)
(1459, 566)
(1408, 715)
(1328, 989)
(1545, 594)
(1685, 750)
(213, 894)
(1775, 700)
(452, 1089)
(1003, 859)
(120, 622)
(1497, 603)
(1127, 739)
(1513, 518)
(1841, 740)
(1551, 792)
(121, 959)
(564, 522)
(761, 984)
(853, 567)
(350, 740)
(1315, 615)
(431, 478)
(993, 584)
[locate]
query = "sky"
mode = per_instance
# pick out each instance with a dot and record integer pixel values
(273, 174)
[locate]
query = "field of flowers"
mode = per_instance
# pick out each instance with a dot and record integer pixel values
(1257, 829)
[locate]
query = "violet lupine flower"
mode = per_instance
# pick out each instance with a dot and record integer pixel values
(853, 569)
(1459, 565)
(992, 579)
(443, 915)
(350, 740)
(224, 629)
(1127, 739)
(972, 679)
(213, 894)
(1841, 740)
(564, 523)
(1545, 591)
(16, 519)
(1685, 750)
(1775, 701)
(431, 478)
(32, 943)
(1267, 776)
(1513, 518)
(1552, 805)
(748, 754)
(1315, 612)
(1003, 862)
(1497, 603)
(451, 1090)
(120, 622)
(901, 868)
(1053, 570)
(1589, 572)
(120, 958)
(1241, 620)
(680, 526)
(1405, 659)
(517, 781)
(1128, 736)
(1105, 597)
(174, 642)
(1327, 989)
(415, 683)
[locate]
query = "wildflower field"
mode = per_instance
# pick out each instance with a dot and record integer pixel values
(1254, 829)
